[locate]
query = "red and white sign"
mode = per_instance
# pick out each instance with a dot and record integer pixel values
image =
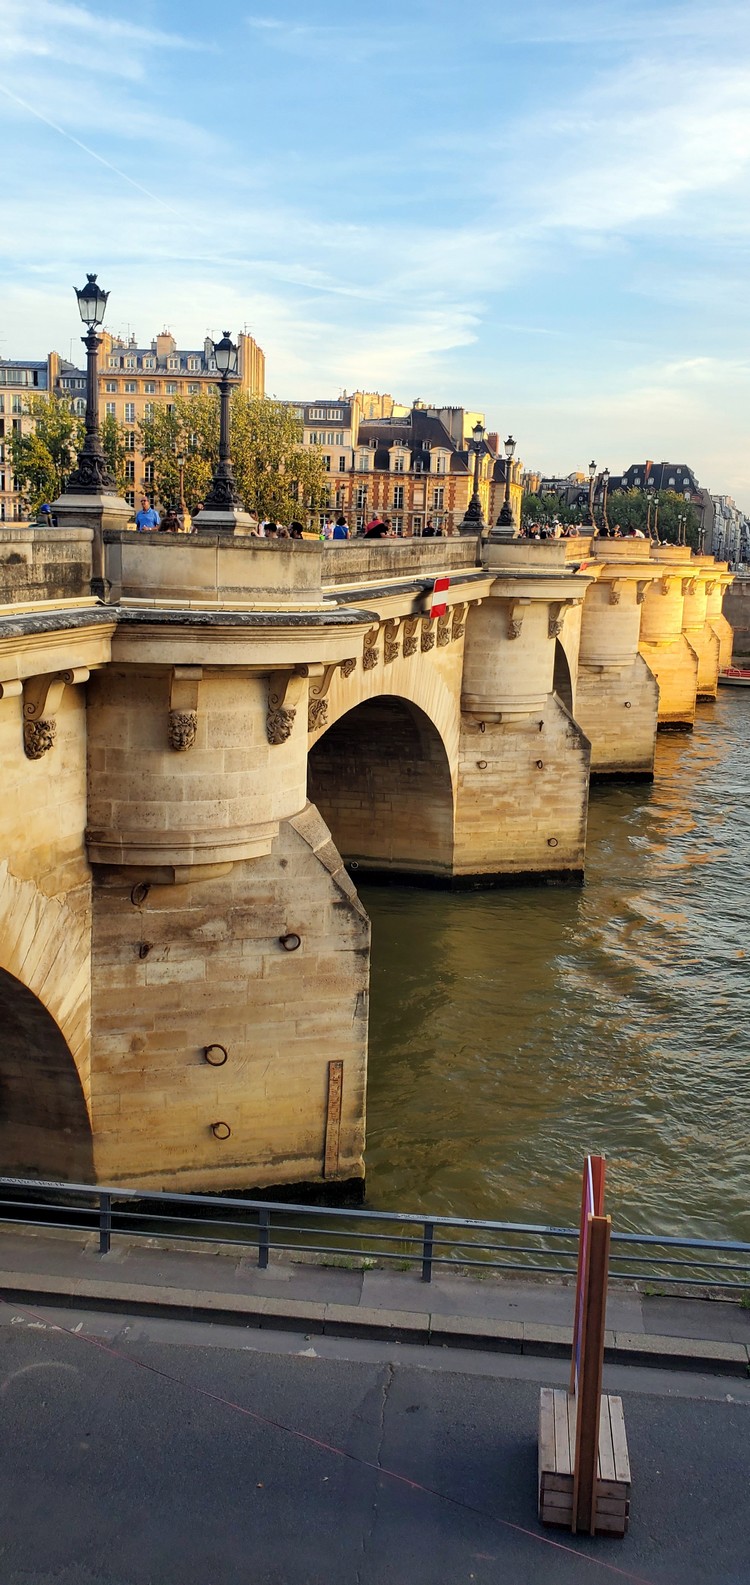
(438, 606)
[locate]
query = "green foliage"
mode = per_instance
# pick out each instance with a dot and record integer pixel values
(629, 509)
(42, 459)
(113, 445)
(540, 511)
(275, 476)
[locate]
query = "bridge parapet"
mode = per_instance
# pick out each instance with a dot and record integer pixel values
(44, 563)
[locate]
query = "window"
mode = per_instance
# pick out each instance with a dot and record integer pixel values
(130, 385)
(397, 524)
(113, 363)
(317, 412)
(438, 497)
(16, 422)
(148, 409)
(169, 407)
(130, 412)
(342, 464)
(2, 481)
(363, 462)
(672, 480)
(193, 390)
(398, 462)
(80, 406)
(333, 412)
(440, 463)
(129, 470)
(109, 408)
(148, 473)
(398, 495)
(416, 525)
(111, 385)
(150, 388)
(2, 404)
(130, 497)
(16, 405)
(130, 363)
(327, 463)
(335, 438)
(130, 440)
(361, 496)
(173, 363)
(193, 364)
(171, 388)
(360, 522)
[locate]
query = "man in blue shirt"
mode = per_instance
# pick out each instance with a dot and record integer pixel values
(148, 517)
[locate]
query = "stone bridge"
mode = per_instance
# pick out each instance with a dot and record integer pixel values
(195, 770)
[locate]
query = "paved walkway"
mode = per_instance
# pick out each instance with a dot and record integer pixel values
(225, 1285)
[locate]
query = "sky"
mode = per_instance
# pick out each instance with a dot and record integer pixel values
(539, 209)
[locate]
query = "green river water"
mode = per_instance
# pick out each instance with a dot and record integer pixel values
(513, 1030)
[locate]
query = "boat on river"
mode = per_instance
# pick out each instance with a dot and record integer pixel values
(735, 676)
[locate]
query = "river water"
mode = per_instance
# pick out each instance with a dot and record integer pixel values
(514, 1030)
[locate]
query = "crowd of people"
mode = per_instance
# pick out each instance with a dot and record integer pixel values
(177, 521)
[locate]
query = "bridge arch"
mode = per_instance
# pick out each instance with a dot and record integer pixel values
(44, 1121)
(381, 777)
(562, 679)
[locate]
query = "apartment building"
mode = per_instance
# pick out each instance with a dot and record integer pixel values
(19, 379)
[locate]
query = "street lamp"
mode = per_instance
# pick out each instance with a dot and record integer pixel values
(181, 460)
(592, 478)
(605, 522)
(505, 516)
(91, 475)
(222, 509)
(473, 522)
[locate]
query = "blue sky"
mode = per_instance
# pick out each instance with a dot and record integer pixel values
(537, 209)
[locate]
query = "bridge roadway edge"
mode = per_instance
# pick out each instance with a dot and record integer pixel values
(498, 1316)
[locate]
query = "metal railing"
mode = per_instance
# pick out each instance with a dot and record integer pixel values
(359, 1237)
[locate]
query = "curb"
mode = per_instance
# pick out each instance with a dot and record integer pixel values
(401, 1326)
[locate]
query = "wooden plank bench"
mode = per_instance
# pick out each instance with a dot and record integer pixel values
(557, 1443)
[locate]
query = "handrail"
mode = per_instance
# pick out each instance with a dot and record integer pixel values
(143, 1212)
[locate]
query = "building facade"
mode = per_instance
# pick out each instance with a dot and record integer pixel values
(19, 379)
(731, 532)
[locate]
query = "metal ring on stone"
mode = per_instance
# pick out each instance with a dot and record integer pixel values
(220, 1057)
(551, 842)
(139, 893)
(628, 705)
(220, 1130)
(290, 942)
(540, 764)
(482, 764)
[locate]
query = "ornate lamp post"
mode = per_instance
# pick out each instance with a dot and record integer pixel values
(90, 498)
(473, 522)
(505, 515)
(181, 460)
(91, 476)
(592, 480)
(222, 509)
(605, 520)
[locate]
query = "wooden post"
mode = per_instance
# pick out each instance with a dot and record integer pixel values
(333, 1119)
(591, 1361)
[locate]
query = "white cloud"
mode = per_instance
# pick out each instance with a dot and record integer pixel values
(77, 36)
(340, 43)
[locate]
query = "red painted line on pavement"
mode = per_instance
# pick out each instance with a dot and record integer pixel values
(328, 1447)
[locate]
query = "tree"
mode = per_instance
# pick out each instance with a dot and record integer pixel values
(113, 445)
(628, 509)
(43, 458)
(275, 475)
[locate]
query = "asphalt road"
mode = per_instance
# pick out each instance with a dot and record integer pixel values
(114, 1474)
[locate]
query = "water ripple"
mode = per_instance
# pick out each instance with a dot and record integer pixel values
(514, 1030)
